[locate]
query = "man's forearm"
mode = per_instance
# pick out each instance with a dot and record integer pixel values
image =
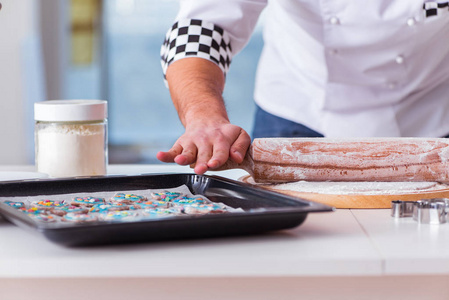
(196, 86)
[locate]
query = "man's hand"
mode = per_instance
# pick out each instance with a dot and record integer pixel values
(208, 145)
(196, 87)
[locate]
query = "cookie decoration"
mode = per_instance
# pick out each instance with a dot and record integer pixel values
(161, 212)
(203, 209)
(188, 201)
(33, 211)
(129, 199)
(69, 209)
(48, 204)
(45, 218)
(165, 196)
(15, 204)
(124, 215)
(87, 201)
(102, 208)
(80, 218)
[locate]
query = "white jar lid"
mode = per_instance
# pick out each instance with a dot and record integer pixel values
(70, 110)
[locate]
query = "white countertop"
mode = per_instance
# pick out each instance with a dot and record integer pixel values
(341, 244)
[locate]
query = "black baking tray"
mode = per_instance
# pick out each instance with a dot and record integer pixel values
(263, 210)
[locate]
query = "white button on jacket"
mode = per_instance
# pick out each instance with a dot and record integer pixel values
(345, 68)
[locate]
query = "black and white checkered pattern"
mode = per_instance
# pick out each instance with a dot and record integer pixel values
(432, 8)
(197, 38)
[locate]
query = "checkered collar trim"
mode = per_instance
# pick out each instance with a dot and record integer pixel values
(432, 8)
(196, 38)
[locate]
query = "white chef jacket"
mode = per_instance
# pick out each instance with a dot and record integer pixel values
(377, 68)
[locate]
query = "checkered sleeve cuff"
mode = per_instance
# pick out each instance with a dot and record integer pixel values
(434, 8)
(196, 38)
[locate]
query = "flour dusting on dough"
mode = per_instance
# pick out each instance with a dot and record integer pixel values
(357, 188)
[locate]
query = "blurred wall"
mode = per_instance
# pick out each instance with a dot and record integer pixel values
(21, 80)
(53, 16)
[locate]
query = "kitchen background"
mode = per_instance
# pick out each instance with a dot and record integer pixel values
(101, 49)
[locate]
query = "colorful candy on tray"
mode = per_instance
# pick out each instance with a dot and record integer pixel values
(122, 207)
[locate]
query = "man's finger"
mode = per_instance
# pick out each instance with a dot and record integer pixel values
(220, 153)
(204, 155)
(240, 146)
(188, 155)
(169, 156)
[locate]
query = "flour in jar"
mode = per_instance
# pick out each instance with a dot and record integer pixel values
(71, 150)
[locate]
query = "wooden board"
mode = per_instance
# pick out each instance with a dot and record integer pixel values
(361, 201)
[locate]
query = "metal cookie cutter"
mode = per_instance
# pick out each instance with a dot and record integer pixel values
(402, 209)
(431, 211)
(426, 211)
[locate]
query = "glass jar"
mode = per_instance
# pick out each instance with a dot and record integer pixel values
(71, 137)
